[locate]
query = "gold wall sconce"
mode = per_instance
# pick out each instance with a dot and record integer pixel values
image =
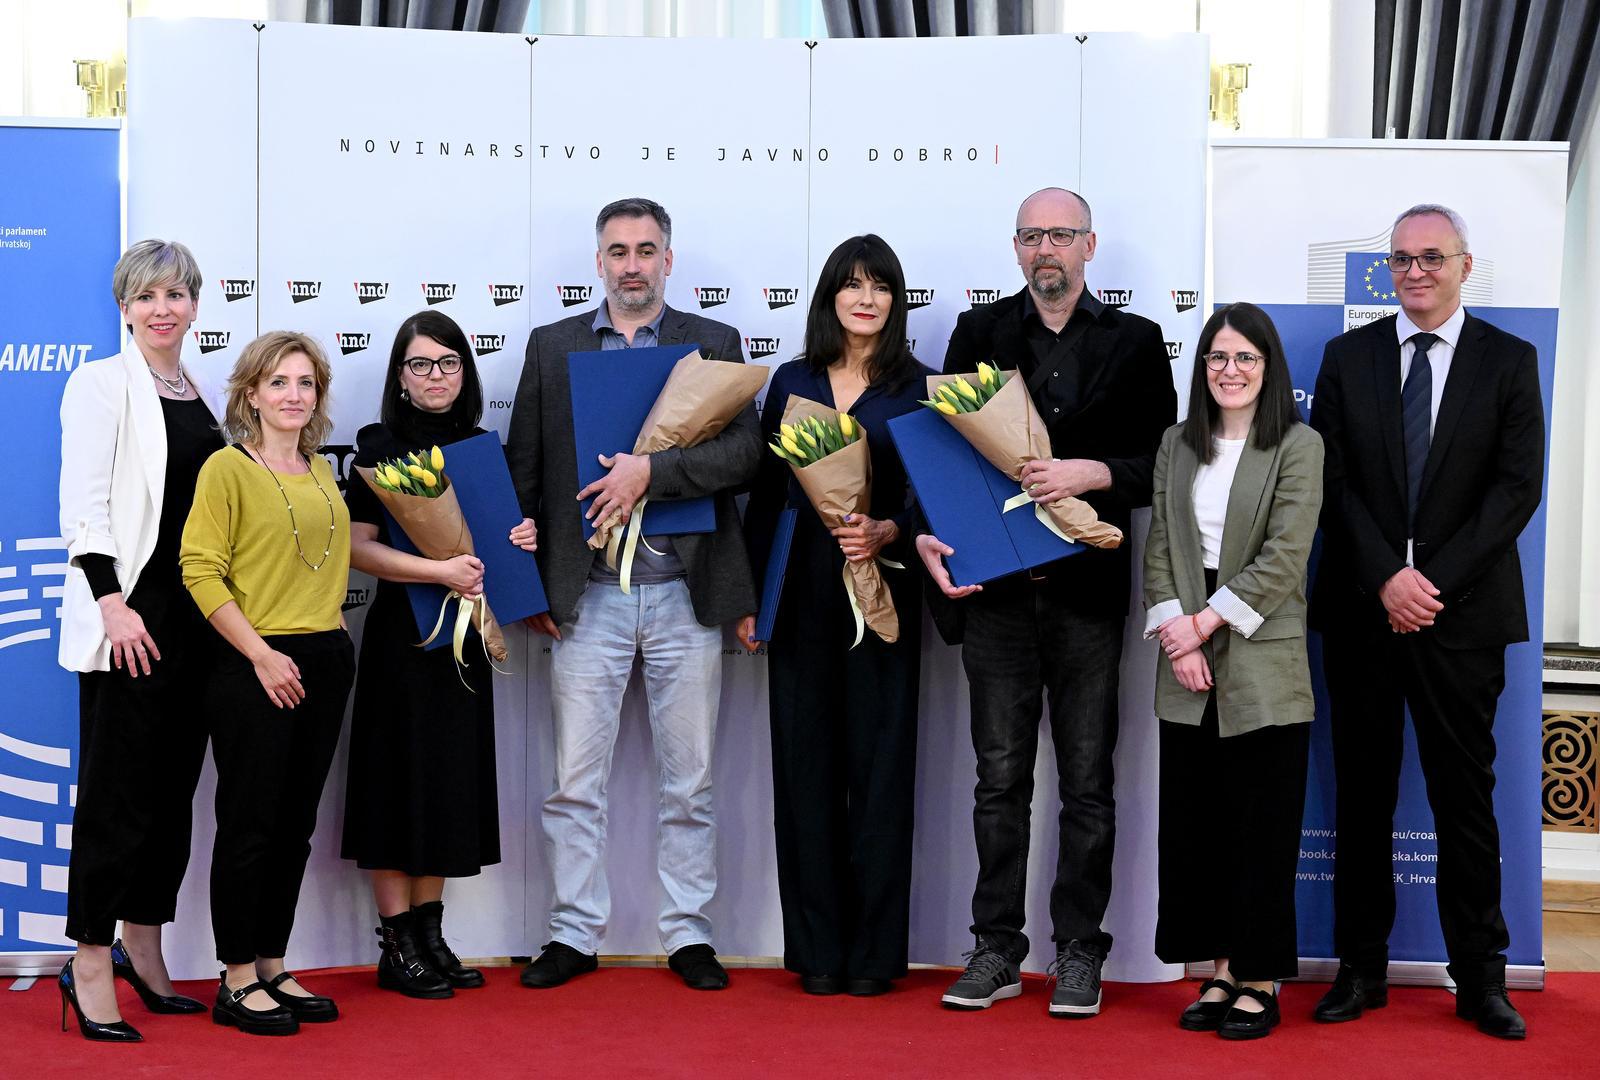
(1228, 82)
(105, 86)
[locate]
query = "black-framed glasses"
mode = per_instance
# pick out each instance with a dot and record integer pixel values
(422, 367)
(1430, 262)
(1244, 361)
(1060, 236)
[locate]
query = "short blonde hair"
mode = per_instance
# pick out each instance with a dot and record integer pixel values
(154, 262)
(260, 358)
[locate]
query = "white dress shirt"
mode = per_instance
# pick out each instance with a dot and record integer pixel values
(1439, 358)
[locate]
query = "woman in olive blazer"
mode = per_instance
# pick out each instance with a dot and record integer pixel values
(1238, 486)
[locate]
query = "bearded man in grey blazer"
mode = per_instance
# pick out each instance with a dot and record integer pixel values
(682, 592)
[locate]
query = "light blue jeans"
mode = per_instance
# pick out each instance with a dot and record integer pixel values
(590, 668)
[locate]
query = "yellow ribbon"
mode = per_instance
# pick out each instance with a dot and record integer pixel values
(1018, 501)
(628, 540)
(458, 636)
(850, 594)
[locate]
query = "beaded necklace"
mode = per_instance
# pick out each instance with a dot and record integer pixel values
(295, 525)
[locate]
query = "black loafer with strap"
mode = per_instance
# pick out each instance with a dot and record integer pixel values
(1239, 1024)
(315, 1009)
(1207, 1015)
(230, 1011)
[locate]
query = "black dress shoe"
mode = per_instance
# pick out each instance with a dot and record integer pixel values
(556, 964)
(697, 966)
(1207, 1015)
(401, 966)
(1492, 1010)
(1352, 994)
(436, 953)
(868, 987)
(822, 985)
(315, 1009)
(1238, 1024)
(122, 968)
(93, 1030)
(230, 1011)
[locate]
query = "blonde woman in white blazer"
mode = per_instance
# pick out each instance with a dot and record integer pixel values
(135, 430)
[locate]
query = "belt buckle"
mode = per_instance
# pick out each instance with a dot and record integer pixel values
(1036, 577)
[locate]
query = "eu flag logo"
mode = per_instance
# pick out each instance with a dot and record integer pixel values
(1367, 279)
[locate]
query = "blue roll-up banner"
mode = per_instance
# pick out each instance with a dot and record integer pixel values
(60, 229)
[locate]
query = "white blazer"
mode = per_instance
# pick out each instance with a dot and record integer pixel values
(113, 472)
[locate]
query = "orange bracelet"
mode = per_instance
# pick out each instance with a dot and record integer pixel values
(1194, 620)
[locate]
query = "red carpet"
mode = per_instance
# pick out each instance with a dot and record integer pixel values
(644, 1023)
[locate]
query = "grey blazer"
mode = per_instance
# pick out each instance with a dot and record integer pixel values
(1262, 678)
(544, 467)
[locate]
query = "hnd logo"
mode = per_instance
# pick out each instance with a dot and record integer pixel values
(779, 298)
(436, 293)
(712, 296)
(1185, 299)
(573, 295)
(369, 292)
(211, 340)
(484, 344)
(916, 298)
(758, 347)
(1174, 349)
(238, 288)
(1116, 298)
(505, 294)
(353, 342)
(301, 291)
(982, 296)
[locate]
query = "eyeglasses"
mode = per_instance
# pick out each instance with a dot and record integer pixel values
(422, 367)
(1244, 361)
(1060, 236)
(1430, 262)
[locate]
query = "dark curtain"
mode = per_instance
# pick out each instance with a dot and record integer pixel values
(927, 18)
(504, 16)
(1486, 69)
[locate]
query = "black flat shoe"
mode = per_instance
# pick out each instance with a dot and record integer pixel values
(556, 964)
(822, 985)
(230, 1011)
(1207, 1015)
(92, 1030)
(1491, 1009)
(122, 968)
(1351, 994)
(1239, 1024)
(308, 1010)
(698, 967)
(868, 987)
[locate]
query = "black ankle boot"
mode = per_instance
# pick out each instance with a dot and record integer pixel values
(402, 967)
(437, 954)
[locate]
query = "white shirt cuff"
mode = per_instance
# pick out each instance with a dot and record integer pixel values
(1244, 619)
(1160, 614)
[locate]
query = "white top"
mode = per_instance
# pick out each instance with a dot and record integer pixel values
(1212, 483)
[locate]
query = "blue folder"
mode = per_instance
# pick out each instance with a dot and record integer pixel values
(772, 577)
(482, 482)
(961, 495)
(612, 393)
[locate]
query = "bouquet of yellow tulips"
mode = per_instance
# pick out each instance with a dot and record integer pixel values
(827, 452)
(994, 412)
(417, 494)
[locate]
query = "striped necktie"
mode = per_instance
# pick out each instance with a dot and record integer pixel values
(1416, 412)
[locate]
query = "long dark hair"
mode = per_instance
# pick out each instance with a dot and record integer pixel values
(1275, 408)
(891, 359)
(397, 414)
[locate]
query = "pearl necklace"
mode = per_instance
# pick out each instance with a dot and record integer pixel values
(293, 525)
(179, 386)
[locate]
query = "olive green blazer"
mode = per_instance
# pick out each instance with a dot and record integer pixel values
(1258, 660)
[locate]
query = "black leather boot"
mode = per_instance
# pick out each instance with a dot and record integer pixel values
(430, 942)
(402, 966)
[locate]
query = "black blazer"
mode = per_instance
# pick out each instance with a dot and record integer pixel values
(1482, 483)
(1125, 401)
(544, 466)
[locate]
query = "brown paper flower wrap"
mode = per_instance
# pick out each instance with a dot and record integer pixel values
(439, 530)
(699, 399)
(1009, 433)
(840, 484)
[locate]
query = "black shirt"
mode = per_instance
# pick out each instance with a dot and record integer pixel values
(1050, 366)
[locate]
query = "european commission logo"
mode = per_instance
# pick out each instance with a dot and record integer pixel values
(1355, 273)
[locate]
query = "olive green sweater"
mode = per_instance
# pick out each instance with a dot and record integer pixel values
(238, 545)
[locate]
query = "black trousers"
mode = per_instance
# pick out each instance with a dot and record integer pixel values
(1229, 846)
(1020, 643)
(271, 767)
(1453, 693)
(141, 744)
(844, 747)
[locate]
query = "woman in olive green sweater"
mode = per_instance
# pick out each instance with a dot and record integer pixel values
(266, 555)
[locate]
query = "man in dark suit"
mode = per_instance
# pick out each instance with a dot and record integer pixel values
(684, 587)
(1433, 468)
(1102, 383)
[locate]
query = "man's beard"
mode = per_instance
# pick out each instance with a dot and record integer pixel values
(1056, 288)
(642, 300)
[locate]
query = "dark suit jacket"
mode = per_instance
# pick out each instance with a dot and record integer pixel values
(1481, 485)
(1125, 401)
(544, 467)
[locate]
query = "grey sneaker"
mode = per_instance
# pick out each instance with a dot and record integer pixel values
(989, 978)
(1076, 970)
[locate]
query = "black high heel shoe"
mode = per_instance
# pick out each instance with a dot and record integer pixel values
(122, 968)
(91, 1029)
